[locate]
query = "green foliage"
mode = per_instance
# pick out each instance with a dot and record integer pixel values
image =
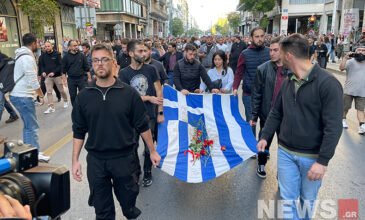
(264, 22)
(257, 5)
(177, 27)
(193, 32)
(234, 20)
(40, 12)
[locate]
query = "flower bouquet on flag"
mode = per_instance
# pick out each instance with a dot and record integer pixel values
(201, 147)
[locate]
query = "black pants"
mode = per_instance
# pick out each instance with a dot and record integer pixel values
(147, 165)
(44, 90)
(119, 174)
(74, 84)
(322, 61)
(262, 156)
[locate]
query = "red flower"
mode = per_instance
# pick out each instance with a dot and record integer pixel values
(198, 141)
(210, 142)
(194, 138)
(205, 143)
(223, 148)
(203, 152)
(199, 132)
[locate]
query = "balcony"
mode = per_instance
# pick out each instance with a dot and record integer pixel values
(157, 11)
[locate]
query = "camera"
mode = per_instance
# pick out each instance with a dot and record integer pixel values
(355, 55)
(44, 187)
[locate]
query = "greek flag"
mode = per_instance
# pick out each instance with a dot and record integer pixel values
(223, 124)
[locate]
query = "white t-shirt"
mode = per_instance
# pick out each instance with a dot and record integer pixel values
(355, 78)
(222, 47)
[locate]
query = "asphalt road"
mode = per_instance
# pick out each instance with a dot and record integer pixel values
(234, 195)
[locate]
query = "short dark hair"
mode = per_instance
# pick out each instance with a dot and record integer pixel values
(85, 44)
(28, 39)
(149, 47)
(256, 29)
(275, 40)
(172, 44)
(105, 47)
(190, 47)
(69, 42)
(297, 45)
(124, 41)
(147, 39)
(132, 45)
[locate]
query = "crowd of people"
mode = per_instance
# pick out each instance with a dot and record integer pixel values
(115, 89)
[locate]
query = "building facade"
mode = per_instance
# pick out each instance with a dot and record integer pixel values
(292, 16)
(158, 18)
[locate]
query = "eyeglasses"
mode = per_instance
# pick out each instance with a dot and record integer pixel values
(103, 60)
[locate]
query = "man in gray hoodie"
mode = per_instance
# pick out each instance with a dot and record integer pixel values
(25, 76)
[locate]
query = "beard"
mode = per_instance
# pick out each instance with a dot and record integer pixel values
(257, 45)
(103, 74)
(139, 60)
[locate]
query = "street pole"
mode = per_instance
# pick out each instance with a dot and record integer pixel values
(334, 17)
(148, 17)
(296, 25)
(88, 37)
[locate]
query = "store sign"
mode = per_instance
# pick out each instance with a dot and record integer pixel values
(91, 3)
(89, 31)
(81, 18)
(350, 20)
(3, 30)
(284, 17)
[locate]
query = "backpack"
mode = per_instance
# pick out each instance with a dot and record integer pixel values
(7, 82)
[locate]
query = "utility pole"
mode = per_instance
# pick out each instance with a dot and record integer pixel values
(88, 37)
(148, 18)
(334, 17)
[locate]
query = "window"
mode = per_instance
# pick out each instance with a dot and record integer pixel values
(293, 2)
(128, 6)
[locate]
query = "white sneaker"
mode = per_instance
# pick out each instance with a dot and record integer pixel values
(37, 103)
(344, 123)
(65, 105)
(362, 129)
(42, 157)
(50, 110)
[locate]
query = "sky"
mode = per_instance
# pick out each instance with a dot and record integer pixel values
(206, 12)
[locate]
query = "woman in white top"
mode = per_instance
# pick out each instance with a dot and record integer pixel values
(220, 74)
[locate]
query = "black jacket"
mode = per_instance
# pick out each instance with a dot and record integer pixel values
(166, 59)
(111, 119)
(75, 65)
(311, 121)
(263, 90)
(50, 62)
(235, 53)
(123, 60)
(187, 76)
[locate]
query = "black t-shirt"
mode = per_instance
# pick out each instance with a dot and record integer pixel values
(143, 81)
(209, 47)
(312, 49)
(117, 48)
(161, 71)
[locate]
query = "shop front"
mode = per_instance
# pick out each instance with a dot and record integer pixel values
(9, 33)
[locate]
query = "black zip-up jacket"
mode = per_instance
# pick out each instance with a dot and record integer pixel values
(75, 65)
(187, 76)
(111, 119)
(263, 90)
(166, 59)
(50, 62)
(311, 121)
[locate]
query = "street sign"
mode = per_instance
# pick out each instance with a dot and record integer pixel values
(118, 30)
(81, 18)
(89, 31)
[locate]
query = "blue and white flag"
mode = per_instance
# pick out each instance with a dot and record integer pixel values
(223, 124)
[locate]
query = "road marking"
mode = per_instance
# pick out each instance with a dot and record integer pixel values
(58, 145)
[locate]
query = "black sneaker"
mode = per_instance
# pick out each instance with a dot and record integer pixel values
(12, 119)
(147, 179)
(261, 171)
(254, 156)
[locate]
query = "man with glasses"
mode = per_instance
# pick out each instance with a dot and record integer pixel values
(76, 68)
(111, 112)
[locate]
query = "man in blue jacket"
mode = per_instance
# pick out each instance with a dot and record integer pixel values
(170, 59)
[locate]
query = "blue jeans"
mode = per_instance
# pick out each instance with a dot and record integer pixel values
(294, 184)
(171, 81)
(246, 99)
(26, 109)
(333, 54)
(6, 104)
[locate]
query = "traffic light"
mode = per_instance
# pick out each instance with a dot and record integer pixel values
(312, 19)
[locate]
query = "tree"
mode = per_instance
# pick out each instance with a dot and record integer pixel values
(234, 20)
(177, 27)
(41, 13)
(193, 31)
(259, 6)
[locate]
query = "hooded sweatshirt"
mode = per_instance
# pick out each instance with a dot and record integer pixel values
(26, 65)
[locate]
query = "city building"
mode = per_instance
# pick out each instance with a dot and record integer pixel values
(158, 18)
